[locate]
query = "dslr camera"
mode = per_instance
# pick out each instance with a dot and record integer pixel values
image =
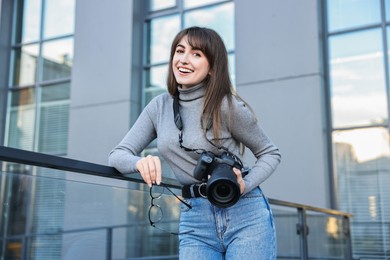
(222, 190)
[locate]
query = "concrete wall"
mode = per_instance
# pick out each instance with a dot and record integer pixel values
(278, 65)
(99, 118)
(101, 78)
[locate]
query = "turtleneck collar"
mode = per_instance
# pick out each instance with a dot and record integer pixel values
(191, 93)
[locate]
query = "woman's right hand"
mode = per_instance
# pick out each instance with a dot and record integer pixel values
(150, 169)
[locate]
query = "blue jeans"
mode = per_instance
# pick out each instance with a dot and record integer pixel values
(245, 230)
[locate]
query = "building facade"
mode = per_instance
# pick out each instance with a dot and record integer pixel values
(74, 75)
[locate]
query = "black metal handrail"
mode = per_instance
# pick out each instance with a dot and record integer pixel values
(9, 154)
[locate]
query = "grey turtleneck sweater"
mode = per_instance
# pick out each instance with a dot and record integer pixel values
(156, 121)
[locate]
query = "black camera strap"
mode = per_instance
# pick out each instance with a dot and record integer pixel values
(176, 112)
(179, 125)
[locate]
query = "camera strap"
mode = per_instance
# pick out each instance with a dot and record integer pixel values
(179, 125)
(176, 112)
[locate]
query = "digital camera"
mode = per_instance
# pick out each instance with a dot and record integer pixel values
(223, 190)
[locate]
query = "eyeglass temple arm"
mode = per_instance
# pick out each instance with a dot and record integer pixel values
(177, 197)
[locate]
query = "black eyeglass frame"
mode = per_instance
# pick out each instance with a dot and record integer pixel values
(152, 204)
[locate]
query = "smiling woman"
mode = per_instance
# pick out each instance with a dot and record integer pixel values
(207, 116)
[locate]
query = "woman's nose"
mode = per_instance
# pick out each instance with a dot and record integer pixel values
(184, 59)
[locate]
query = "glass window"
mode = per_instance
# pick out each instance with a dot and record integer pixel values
(220, 18)
(344, 14)
(156, 5)
(58, 17)
(360, 146)
(232, 67)
(362, 168)
(358, 92)
(158, 77)
(33, 63)
(28, 20)
(162, 31)
(21, 119)
(387, 9)
(196, 3)
(57, 58)
(157, 81)
(25, 60)
(54, 117)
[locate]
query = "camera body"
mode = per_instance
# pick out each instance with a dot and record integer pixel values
(223, 190)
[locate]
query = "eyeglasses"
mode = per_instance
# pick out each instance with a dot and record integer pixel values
(155, 211)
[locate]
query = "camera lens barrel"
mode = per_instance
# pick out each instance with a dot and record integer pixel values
(223, 189)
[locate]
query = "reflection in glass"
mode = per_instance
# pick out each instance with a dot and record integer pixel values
(232, 68)
(326, 237)
(362, 176)
(57, 58)
(387, 9)
(196, 3)
(388, 39)
(361, 146)
(149, 94)
(158, 77)
(344, 14)
(220, 18)
(156, 5)
(58, 218)
(28, 20)
(21, 119)
(54, 119)
(358, 92)
(162, 31)
(25, 60)
(286, 232)
(156, 83)
(59, 18)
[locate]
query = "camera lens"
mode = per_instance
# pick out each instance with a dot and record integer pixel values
(222, 188)
(223, 192)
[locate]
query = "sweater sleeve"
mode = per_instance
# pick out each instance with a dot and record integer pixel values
(126, 154)
(246, 129)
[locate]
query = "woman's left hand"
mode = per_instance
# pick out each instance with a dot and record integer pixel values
(240, 180)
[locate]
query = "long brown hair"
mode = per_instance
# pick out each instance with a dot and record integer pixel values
(218, 84)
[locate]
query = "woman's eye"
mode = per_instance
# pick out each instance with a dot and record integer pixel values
(197, 55)
(179, 51)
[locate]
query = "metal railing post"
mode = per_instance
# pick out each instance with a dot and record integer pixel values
(302, 231)
(348, 240)
(109, 244)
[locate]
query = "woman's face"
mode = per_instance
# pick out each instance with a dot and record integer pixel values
(190, 66)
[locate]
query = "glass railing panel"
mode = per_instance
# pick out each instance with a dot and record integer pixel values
(53, 218)
(326, 238)
(286, 220)
(53, 214)
(68, 175)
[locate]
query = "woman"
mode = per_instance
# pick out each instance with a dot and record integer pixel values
(202, 113)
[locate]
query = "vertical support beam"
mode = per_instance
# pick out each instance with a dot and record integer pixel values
(303, 232)
(348, 240)
(109, 244)
(6, 15)
(25, 247)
